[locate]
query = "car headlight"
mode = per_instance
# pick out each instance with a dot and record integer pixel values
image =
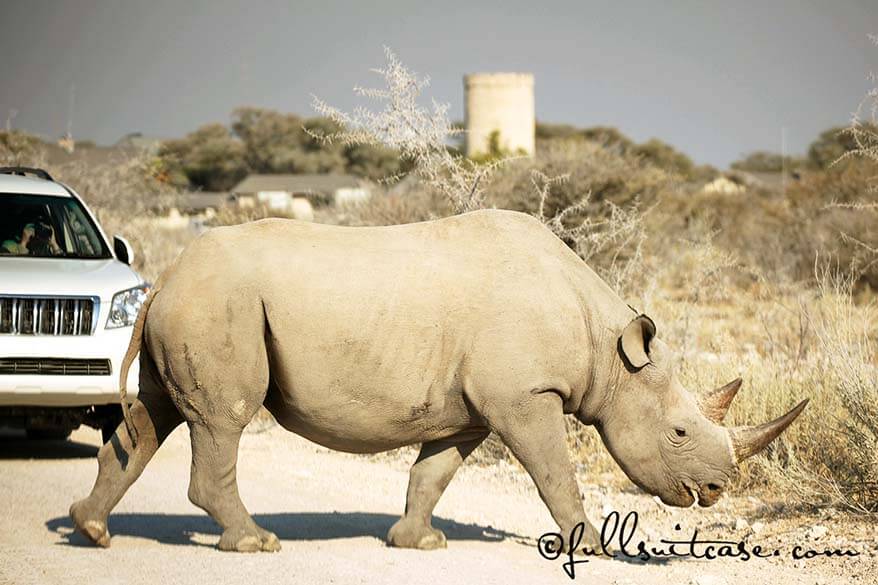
(126, 305)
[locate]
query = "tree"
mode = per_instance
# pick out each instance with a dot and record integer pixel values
(762, 161)
(264, 141)
(607, 136)
(832, 144)
(546, 131)
(209, 158)
(278, 143)
(664, 156)
(373, 161)
(264, 134)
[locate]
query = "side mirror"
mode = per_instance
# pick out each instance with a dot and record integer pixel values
(124, 251)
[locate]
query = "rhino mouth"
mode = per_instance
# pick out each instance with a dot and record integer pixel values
(702, 496)
(691, 493)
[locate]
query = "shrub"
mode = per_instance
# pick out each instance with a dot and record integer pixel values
(20, 149)
(766, 162)
(829, 146)
(591, 197)
(834, 213)
(664, 156)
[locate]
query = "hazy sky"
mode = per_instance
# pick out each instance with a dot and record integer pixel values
(716, 79)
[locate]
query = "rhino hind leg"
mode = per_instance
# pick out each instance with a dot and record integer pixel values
(213, 487)
(217, 413)
(429, 476)
(120, 464)
(214, 363)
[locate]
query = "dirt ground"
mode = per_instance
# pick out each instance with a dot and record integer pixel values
(332, 511)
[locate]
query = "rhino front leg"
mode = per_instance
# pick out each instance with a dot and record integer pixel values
(430, 475)
(533, 428)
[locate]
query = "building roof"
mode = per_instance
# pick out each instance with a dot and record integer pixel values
(326, 183)
(201, 200)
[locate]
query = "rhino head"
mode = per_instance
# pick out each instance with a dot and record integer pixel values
(667, 441)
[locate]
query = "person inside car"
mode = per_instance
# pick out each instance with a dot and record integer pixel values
(37, 239)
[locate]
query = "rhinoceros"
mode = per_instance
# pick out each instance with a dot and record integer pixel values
(366, 339)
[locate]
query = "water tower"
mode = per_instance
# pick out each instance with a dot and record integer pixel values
(499, 108)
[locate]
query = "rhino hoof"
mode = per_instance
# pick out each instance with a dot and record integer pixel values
(238, 540)
(270, 542)
(407, 534)
(94, 530)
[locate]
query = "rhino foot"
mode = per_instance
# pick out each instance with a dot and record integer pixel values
(248, 540)
(411, 534)
(93, 529)
(590, 540)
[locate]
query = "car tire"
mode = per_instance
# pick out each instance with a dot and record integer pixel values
(48, 434)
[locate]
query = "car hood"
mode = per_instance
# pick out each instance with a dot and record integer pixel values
(65, 276)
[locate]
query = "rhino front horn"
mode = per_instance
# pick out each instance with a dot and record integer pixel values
(748, 441)
(715, 404)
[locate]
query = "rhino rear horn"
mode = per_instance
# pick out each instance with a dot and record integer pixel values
(748, 441)
(716, 404)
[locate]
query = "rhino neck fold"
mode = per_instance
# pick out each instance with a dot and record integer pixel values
(605, 315)
(601, 380)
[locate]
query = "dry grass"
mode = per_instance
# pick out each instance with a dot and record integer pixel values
(837, 459)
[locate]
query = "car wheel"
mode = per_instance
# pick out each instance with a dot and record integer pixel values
(48, 434)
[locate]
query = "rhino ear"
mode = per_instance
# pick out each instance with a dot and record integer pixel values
(634, 342)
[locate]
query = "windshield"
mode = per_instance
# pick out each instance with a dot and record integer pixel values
(46, 226)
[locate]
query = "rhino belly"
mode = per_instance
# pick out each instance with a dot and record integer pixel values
(362, 394)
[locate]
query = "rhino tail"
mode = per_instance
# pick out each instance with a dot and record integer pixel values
(133, 349)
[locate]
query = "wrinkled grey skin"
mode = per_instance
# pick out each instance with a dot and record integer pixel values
(368, 339)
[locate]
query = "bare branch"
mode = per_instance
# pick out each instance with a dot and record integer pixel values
(419, 133)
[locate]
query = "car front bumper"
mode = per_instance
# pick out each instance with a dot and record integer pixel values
(67, 390)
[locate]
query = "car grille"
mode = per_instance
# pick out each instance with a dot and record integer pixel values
(47, 315)
(55, 367)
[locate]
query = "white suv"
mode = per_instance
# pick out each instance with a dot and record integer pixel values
(68, 301)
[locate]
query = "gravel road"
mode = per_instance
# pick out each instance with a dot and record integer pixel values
(332, 510)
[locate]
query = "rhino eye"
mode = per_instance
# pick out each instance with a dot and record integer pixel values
(680, 432)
